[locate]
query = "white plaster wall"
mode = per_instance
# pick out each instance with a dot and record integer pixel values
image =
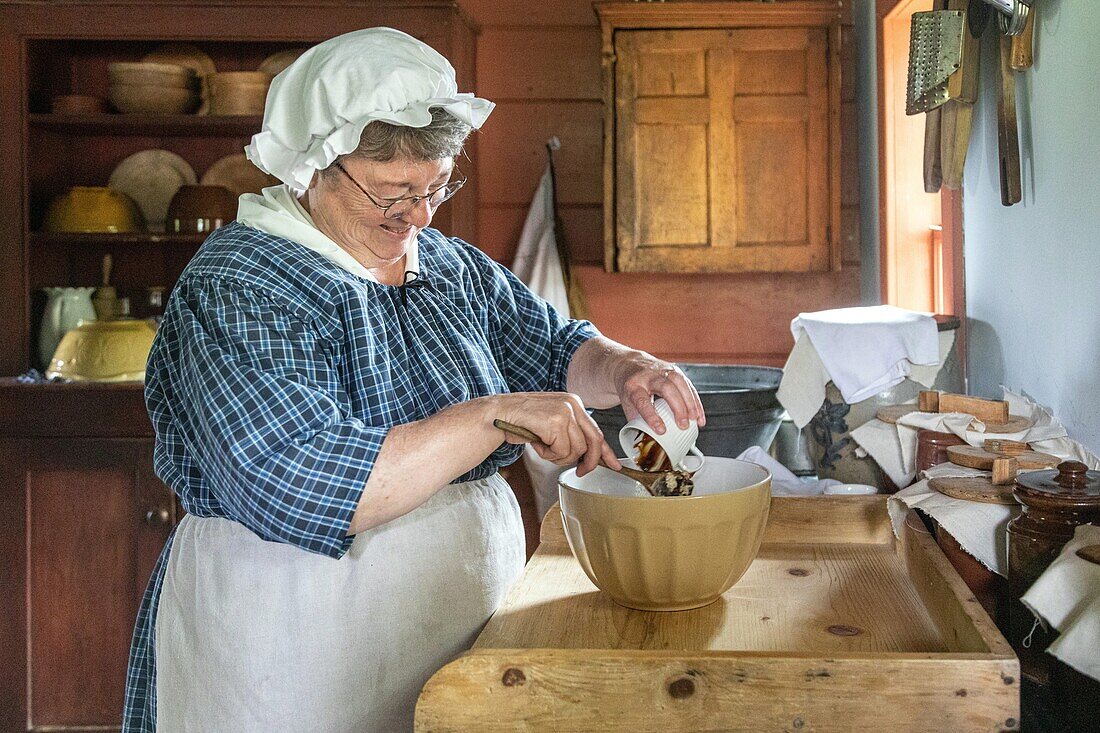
(1033, 270)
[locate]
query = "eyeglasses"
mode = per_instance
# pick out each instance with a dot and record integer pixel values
(396, 208)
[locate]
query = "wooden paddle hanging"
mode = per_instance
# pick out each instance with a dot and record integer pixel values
(935, 60)
(1008, 132)
(957, 113)
(1023, 45)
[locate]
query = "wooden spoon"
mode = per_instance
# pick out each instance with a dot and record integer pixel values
(657, 483)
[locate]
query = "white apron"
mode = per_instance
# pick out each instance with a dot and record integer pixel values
(262, 636)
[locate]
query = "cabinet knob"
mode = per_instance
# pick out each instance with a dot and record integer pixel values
(158, 517)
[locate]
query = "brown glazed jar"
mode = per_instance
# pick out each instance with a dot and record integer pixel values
(932, 447)
(989, 588)
(1055, 503)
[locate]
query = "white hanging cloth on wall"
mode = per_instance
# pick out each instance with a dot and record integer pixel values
(537, 262)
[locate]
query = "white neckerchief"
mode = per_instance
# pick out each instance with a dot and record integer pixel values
(276, 211)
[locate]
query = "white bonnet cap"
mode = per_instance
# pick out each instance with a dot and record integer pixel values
(318, 106)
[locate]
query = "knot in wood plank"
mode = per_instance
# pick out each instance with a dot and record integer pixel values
(844, 630)
(513, 677)
(681, 687)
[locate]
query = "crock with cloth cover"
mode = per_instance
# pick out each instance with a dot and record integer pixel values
(324, 385)
(1000, 538)
(847, 363)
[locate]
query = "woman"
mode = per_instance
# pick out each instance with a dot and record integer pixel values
(323, 389)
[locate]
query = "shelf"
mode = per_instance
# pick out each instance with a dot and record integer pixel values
(148, 125)
(136, 238)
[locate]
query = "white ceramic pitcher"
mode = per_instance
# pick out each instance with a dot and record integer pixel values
(65, 309)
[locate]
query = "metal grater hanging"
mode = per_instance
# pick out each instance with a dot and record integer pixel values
(935, 53)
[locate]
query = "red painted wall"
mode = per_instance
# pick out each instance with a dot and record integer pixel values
(540, 63)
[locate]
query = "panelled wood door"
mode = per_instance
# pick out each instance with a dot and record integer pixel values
(96, 520)
(725, 150)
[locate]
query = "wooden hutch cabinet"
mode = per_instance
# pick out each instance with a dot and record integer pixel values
(721, 136)
(82, 517)
(83, 521)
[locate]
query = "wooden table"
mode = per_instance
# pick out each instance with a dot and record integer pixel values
(836, 625)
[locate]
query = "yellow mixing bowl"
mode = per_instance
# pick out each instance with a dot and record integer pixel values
(93, 209)
(666, 553)
(104, 351)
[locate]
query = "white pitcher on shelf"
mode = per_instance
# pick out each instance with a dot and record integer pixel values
(65, 309)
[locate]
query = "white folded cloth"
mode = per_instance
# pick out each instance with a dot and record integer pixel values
(802, 388)
(880, 440)
(1067, 597)
(829, 349)
(980, 529)
(867, 350)
(784, 483)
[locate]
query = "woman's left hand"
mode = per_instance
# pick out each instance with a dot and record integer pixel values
(639, 377)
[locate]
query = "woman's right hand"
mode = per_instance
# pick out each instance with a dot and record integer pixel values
(566, 432)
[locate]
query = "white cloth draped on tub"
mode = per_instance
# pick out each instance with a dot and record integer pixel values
(863, 351)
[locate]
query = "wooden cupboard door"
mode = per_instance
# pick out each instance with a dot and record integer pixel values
(97, 518)
(725, 146)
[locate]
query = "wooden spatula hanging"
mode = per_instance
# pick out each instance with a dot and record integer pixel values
(1023, 44)
(933, 163)
(1008, 136)
(957, 112)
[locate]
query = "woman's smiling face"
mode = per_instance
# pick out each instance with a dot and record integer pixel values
(343, 211)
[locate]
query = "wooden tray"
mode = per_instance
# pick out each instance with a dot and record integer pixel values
(836, 625)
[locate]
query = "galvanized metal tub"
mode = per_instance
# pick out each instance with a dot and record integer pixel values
(740, 402)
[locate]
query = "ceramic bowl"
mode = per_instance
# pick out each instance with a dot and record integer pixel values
(666, 553)
(152, 74)
(200, 209)
(248, 99)
(153, 99)
(103, 351)
(237, 78)
(93, 209)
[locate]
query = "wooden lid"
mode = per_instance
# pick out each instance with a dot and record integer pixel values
(974, 457)
(1072, 484)
(892, 413)
(973, 488)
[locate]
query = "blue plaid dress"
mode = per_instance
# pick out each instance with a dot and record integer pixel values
(276, 375)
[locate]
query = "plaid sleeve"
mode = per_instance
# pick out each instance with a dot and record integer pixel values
(534, 342)
(265, 418)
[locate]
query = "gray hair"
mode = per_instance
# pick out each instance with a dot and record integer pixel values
(441, 138)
